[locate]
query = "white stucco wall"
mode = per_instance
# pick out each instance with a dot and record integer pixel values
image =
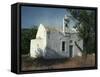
(48, 44)
(55, 42)
(38, 45)
(34, 46)
(42, 34)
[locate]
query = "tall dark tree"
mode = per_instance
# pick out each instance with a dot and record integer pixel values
(26, 35)
(86, 28)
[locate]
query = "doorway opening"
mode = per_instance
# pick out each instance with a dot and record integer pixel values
(71, 50)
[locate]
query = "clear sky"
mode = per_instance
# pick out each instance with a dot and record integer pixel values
(41, 15)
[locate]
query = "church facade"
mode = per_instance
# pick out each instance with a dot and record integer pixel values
(51, 43)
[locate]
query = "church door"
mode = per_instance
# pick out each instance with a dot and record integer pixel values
(70, 50)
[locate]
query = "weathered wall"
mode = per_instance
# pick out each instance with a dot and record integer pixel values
(34, 48)
(54, 41)
(38, 45)
(48, 44)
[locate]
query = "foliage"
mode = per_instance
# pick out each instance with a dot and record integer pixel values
(86, 28)
(26, 35)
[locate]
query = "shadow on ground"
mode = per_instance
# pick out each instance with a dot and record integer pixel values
(40, 63)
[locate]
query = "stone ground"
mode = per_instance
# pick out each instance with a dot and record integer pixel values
(38, 64)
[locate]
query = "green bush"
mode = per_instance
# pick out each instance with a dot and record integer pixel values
(26, 36)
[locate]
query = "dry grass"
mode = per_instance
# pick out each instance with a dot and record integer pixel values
(40, 63)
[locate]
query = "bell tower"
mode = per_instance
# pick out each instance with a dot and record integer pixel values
(65, 23)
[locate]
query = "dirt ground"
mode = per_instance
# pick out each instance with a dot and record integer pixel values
(40, 63)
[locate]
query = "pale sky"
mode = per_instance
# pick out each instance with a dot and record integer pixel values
(41, 15)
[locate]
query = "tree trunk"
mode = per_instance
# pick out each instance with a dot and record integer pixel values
(84, 55)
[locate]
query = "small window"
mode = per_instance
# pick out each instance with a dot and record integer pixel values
(63, 45)
(66, 25)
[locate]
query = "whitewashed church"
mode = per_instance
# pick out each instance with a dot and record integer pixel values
(51, 43)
